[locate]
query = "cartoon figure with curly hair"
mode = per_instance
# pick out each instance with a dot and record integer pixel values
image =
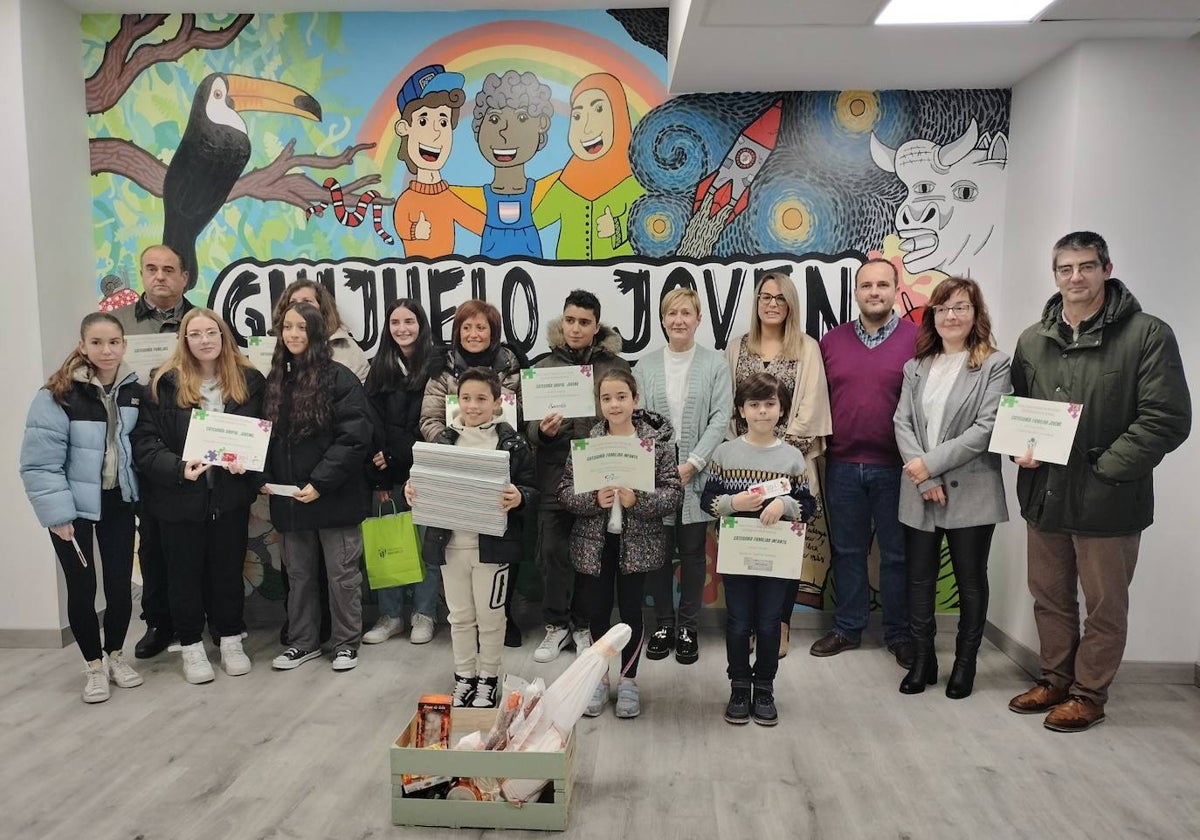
(511, 124)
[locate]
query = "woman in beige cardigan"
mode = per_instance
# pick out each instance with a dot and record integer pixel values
(777, 344)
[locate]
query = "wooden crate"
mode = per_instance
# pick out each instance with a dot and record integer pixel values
(549, 813)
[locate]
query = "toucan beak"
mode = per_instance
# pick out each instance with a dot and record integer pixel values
(247, 93)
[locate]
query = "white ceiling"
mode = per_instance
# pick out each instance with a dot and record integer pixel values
(720, 45)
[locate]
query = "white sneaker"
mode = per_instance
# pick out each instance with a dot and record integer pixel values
(599, 699)
(121, 673)
(582, 640)
(556, 639)
(384, 629)
(233, 659)
(95, 690)
(196, 667)
(422, 629)
(487, 692)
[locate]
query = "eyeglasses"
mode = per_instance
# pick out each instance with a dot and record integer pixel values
(1064, 272)
(196, 335)
(960, 310)
(766, 299)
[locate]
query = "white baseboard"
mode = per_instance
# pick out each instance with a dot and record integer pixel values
(26, 638)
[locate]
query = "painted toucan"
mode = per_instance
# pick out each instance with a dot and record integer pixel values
(214, 151)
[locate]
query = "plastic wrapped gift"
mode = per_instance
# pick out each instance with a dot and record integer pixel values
(563, 703)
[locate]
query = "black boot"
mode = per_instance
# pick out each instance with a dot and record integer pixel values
(923, 671)
(156, 640)
(962, 679)
(737, 710)
(764, 712)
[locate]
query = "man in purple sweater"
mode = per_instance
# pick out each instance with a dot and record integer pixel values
(864, 362)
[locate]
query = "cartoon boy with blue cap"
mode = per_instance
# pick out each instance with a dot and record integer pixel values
(426, 212)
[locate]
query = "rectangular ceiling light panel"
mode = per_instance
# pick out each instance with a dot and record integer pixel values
(960, 11)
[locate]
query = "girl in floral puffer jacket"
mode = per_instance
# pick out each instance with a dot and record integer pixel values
(618, 533)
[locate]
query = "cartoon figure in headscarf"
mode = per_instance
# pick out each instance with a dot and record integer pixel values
(511, 124)
(596, 189)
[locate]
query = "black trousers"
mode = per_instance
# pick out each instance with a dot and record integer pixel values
(156, 601)
(596, 597)
(205, 579)
(689, 540)
(969, 548)
(114, 535)
(560, 592)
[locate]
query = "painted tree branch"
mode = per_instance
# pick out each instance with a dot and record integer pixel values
(273, 182)
(121, 157)
(118, 68)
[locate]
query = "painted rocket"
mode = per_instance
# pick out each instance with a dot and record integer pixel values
(744, 160)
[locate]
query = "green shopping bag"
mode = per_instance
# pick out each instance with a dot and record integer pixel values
(391, 550)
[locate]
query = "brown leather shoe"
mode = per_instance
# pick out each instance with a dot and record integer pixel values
(1075, 715)
(1041, 698)
(831, 644)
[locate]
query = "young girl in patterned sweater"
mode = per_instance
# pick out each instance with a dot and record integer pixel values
(753, 602)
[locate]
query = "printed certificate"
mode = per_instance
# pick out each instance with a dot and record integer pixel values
(260, 349)
(569, 390)
(745, 546)
(613, 461)
(508, 408)
(219, 438)
(1045, 426)
(144, 353)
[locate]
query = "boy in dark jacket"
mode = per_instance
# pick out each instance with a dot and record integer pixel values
(476, 566)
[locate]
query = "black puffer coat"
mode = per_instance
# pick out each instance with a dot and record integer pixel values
(398, 426)
(333, 460)
(158, 440)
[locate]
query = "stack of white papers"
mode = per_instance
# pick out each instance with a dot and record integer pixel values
(459, 488)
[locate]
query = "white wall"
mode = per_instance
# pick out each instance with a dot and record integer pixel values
(47, 246)
(1104, 139)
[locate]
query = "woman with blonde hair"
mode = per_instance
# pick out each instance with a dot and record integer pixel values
(345, 349)
(777, 344)
(203, 508)
(78, 474)
(952, 388)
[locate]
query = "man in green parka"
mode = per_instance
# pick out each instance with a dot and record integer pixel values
(1093, 346)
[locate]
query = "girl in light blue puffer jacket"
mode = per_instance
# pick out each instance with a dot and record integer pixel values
(77, 466)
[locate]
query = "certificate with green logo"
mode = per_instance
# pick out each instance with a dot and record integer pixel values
(613, 461)
(1045, 427)
(745, 546)
(215, 437)
(567, 390)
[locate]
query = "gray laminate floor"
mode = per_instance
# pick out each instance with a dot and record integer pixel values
(304, 754)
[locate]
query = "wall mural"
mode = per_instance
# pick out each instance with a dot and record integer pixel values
(514, 157)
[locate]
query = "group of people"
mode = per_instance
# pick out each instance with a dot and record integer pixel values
(879, 433)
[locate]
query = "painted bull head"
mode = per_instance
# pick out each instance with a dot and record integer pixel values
(955, 197)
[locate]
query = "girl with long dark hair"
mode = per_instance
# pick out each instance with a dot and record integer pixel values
(400, 370)
(320, 441)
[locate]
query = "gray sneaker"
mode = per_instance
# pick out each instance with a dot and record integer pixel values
(599, 699)
(629, 704)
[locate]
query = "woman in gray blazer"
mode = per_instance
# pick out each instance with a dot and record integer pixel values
(952, 388)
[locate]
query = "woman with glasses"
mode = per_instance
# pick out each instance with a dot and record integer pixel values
(952, 388)
(777, 344)
(204, 508)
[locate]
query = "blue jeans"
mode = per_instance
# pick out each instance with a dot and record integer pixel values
(857, 496)
(424, 594)
(753, 605)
